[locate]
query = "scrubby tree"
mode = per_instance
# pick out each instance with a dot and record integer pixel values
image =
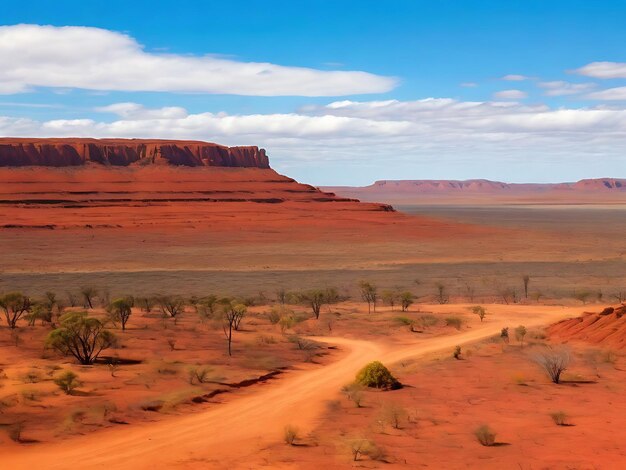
(281, 296)
(369, 293)
(145, 303)
(88, 293)
(171, 305)
(406, 300)
(526, 279)
(480, 311)
(504, 334)
(520, 333)
(120, 310)
(81, 336)
(390, 297)
(14, 305)
(442, 295)
(317, 298)
(205, 306)
(233, 314)
(554, 361)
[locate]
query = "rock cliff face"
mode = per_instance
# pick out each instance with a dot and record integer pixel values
(126, 152)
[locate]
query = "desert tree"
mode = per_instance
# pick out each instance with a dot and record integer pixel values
(554, 361)
(369, 293)
(480, 311)
(88, 293)
(507, 294)
(281, 296)
(171, 305)
(120, 310)
(442, 295)
(406, 300)
(520, 333)
(233, 314)
(504, 334)
(390, 297)
(317, 298)
(205, 306)
(15, 305)
(470, 291)
(526, 279)
(620, 296)
(81, 336)
(145, 303)
(394, 414)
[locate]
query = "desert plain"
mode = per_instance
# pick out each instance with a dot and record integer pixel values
(216, 237)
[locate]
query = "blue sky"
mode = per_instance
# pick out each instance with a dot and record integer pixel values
(515, 91)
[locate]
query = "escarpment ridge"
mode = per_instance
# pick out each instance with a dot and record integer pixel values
(17, 152)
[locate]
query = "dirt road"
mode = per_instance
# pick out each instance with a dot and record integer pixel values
(226, 435)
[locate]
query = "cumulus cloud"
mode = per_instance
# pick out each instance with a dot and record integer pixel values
(603, 70)
(510, 95)
(610, 94)
(389, 131)
(562, 88)
(98, 59)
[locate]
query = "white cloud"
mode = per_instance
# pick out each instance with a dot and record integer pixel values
(387, 132)
(469, 84)
(137, 111)
(603, 70)
(610, 94)
(510, 95)
(515, 78)
(562, 88)
(99, 59)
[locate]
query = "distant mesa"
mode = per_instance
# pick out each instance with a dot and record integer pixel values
(486, 191)
(17, 152)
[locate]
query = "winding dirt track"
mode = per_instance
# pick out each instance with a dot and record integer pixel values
(233, 431)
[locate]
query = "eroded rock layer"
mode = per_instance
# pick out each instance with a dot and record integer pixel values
(124, 152)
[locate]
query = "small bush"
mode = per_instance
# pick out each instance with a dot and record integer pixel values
(290, 435)
(427, 320)
(376, 375)
(455, 322)
(394, 414)
(354, 393)
(199, 374)
(457, 352)
(67, 381)
(560, 418)
(360, 447)
(554, 361)
(485, 435)
(404, 320)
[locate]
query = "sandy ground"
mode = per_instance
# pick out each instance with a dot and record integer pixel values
(238, 431)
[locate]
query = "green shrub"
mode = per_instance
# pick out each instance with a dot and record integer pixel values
(455, 322)
(376, 375)
(67, 381)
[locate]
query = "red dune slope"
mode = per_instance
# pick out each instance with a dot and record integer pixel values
(607, 329)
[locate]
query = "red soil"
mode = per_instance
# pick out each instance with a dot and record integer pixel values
(607, 329)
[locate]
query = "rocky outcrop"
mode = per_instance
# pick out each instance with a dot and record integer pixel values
(126, 152)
